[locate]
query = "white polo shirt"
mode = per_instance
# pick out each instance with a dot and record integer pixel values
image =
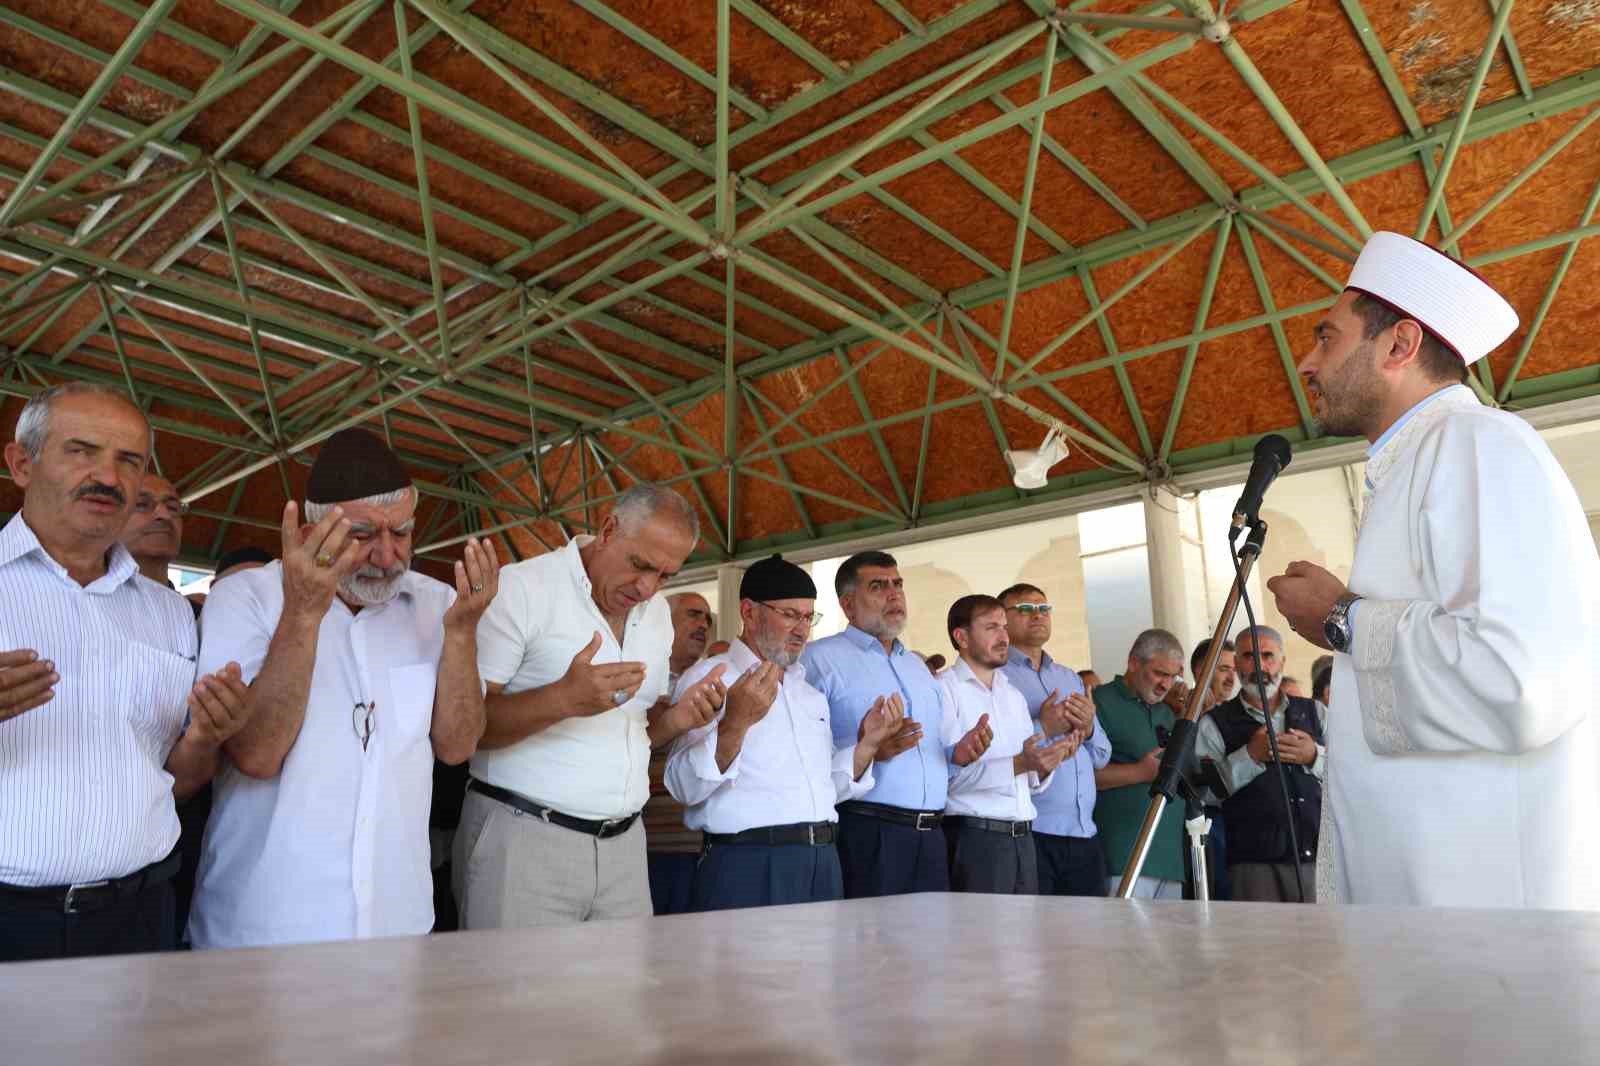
(84, 791)
(598, 766)
(786, 772)
(989, 788)
(336, 846)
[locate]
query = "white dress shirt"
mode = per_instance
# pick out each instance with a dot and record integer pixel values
(595, 766)
(336, 846)
(84, 793)
(989, 787)
(787, 771)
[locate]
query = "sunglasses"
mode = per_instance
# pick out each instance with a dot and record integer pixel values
(1028, 610)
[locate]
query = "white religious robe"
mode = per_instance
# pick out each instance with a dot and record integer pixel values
(1462, 742)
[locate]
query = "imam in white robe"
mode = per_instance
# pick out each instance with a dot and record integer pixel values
(1463, 756)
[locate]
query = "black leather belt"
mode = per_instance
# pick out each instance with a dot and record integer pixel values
(922, 821)
(989, 825)
(609, 827)
(816, 834)
(94, 895)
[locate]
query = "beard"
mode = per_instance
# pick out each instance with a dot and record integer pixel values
(1261, 679)
(882, 628)
(1353, 395)
(372, 586)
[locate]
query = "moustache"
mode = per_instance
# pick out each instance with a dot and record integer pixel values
(110, 492)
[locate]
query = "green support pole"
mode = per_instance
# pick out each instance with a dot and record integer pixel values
(1019, 243)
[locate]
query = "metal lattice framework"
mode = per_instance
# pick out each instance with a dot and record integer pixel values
(546, 278)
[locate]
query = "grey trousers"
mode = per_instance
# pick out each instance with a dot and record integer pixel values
(1271, 882)
(516, 871)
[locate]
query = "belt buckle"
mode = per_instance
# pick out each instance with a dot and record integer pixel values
(606, 825)
(1018, 829)
(69, 905)
(928, 818)
(811, 835)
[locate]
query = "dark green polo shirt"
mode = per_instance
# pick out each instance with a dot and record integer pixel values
(1131, 723)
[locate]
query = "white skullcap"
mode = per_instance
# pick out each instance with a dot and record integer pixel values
(1424, 284)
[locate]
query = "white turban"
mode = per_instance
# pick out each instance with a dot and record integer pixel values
(1424, 284)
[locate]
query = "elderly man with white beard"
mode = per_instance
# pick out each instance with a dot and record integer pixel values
(1234, 737)
(360, 673)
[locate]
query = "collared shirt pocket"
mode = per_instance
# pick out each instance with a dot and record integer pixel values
(152, 687)
(411, 688)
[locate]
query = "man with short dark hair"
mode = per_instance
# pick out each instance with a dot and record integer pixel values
(763, 778)
(1234, 737)
(247, 557)
(888, 842)
(1133, 711)
(1467, 640)
(1223, 679)
(1071, 860)
(998, 762)
(97, 678)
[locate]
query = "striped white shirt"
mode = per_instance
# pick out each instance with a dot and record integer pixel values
(84, 793)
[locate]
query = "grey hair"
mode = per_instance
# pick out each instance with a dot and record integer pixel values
(645, 501)
(1266, 631)
(33, 425)
(1153, 642)
(315, 512)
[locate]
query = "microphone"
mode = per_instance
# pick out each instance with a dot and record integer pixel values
(1272, 455)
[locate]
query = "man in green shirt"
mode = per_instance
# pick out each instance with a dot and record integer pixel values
(1131, 710)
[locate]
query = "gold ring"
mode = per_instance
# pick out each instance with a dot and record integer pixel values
(477, 588)
(324, 559)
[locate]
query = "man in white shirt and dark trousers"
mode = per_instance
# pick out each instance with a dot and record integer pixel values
(361, 672)
(97, 674)
(575, 653)
(762, 780)
(997, 760)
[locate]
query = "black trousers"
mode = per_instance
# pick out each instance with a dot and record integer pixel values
(144, 922)
(997, 863)
(882, 858)
(766, 875)
(671, 881)
(1070, 866)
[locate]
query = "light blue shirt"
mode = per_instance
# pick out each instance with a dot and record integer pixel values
(852, 670)
(1378, 446)
(1066, 808)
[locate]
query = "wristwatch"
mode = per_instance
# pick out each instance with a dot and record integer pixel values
(1336, 627)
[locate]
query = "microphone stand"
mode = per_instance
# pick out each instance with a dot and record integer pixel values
(1178, 760)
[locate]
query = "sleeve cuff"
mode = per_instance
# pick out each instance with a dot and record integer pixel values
(1372, 647)
(702, 757)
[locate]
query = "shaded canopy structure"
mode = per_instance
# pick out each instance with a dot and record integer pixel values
(816, 263)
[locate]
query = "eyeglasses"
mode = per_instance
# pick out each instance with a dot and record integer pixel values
(794, 618)
(1028, 609)
(147, 504)
(364, 717)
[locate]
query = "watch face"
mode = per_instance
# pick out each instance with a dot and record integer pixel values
(1336, 634)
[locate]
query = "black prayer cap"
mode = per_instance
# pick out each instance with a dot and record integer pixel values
(775, 578)
(352, 465)
(249, 553)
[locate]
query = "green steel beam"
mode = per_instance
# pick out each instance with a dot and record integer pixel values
(1269, 304)
(1545, 303)
(1124, 383)
(1241, 62)
(1452, 243)
(1020, 241)
(1463, 119)
(795, 499)
(1208, 289)
(109, 73)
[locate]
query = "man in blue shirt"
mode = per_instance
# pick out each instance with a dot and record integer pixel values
(889, 840)
(1071, 860)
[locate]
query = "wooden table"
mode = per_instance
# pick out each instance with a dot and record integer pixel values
(917, 979)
